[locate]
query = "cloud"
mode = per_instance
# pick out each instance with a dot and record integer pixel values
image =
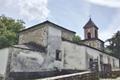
(26, 9)
(112, 28)
(107, 3)
(34, 9)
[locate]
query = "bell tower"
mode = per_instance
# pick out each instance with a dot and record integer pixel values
(90, 30)
(91, 35)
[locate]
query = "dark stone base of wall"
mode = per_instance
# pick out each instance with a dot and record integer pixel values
(89, 76)
(112, 74)
(38, 75)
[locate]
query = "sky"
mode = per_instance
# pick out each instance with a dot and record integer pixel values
(71, 14)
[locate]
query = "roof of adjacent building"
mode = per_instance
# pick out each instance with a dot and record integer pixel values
(93, 39)
(89, 24)
(45, 23)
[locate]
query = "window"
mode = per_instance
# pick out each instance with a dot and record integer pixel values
(90, 63)
(58, 55)
(96, 34)
(89, 35)
(108, 60)
(101, 58)
(113, 63)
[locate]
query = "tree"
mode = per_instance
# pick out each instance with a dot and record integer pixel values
(76, 39)
(8, 31)
(114, 44)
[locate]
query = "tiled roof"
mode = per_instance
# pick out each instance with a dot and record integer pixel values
(89, 24)
(50, 23)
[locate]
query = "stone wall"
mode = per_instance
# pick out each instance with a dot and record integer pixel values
(37, 34)
(74, 76)
(95, 43)
(112, 74)
(89, 76)
(67, 35)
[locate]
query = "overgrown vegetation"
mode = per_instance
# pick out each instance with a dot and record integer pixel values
(9, 28)
(76, 39)
(114, 44)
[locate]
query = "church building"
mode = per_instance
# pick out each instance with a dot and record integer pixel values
(47, 47)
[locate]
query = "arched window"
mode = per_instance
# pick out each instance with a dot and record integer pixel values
(89, 35)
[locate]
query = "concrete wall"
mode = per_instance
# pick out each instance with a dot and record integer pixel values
(3, 60)
(37, 34)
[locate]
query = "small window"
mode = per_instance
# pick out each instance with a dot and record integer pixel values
(58, 55)
(89, 35)
(96, 34)
(101, 58)
(113, 63)
(108, 60)
(90, 63)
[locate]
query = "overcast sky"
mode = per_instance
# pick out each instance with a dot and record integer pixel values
(71, 14)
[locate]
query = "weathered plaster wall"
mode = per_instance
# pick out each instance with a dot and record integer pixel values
(37, 34)
(30, 61)
(54, 43)
(64, 33)
(3, 60)
(67, 35)
(23, 60)
(95, 43)
(95, 54)
(78, 56)
(26, 61)
(74, 56)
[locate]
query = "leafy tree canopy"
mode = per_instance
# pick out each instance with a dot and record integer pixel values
(76, 39)
(114, 44)
(8, 31)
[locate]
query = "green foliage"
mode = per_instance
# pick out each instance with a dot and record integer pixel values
(76, 39)
(114, 44)
(8, 31)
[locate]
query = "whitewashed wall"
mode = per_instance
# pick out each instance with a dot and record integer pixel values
(3, 60)
(77, 56)
(95, 54)
(26, 61)
(74, 56)
(54, 43)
